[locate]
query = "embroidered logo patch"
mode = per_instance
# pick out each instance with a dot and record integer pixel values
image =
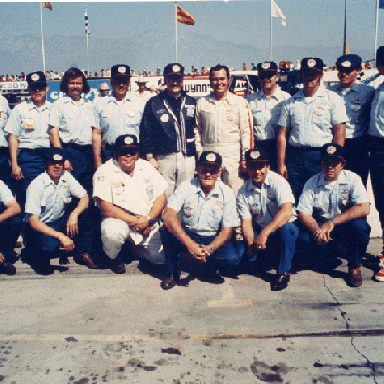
(57, 157)
(35, 77)
(254, 155)
(211, 157)
(128, 140)
(265, 65)
(217, 204)
(346, 64)
(311, 63)
(121, 69)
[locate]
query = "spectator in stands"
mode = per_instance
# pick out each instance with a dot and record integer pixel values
(108, 73)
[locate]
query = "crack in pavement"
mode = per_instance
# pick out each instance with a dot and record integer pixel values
(347, 326)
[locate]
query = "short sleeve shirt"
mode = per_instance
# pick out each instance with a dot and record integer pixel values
(262, 204)
(5, 111)
(136, 193)
(115, 118)
(376, 127)
(204, 215)
(49, 200)
(357, 100)
(74, 121)
(311, 119)
(266, 113)
(5, 194)
(325, 200)
(30, 124)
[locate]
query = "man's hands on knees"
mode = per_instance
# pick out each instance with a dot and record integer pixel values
(72, 225)
(323, 234)
(66, 242)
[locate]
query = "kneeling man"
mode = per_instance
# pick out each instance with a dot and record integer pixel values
(131, 196)
(53, 219)
(334, 205)
(265, 206)
(199, 220)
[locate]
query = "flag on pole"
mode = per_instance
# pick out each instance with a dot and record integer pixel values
(381, 3)
(47, 5)
(184, 17)
(86, 21)
(346, 49)
(276, 12)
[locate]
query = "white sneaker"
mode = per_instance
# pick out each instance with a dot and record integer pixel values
(381, 260)
(379, 276)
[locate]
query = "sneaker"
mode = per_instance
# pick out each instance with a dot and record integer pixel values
(379, 276)
(381, 260)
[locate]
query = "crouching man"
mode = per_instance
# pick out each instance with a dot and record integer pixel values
(10, 226)
(53, 218)
(334, 205)
(131, 196)
(199, 220)
(265, 206)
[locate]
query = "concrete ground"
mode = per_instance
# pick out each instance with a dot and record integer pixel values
(83, 326)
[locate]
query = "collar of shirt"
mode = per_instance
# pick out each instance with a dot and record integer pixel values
(199, 190)
(115, 167)
(229, 99)
(68, 99)
(31, 106)
(352, 89)
(112, 99)
(321, 92)
(47, 179)
(274, 96)
(253, 187)
(342, 179)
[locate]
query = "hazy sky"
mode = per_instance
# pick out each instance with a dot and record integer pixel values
(309, 23)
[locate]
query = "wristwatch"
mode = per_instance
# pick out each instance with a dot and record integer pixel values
(150, 221)
(212, 249)
(149, 156)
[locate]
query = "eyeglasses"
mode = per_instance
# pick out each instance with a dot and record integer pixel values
(330, 162)
(177, 78)
(37, 87)
(264, 76)
(127, 152)
(212, 169)
(257, 165)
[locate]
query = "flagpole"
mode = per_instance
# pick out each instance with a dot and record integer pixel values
(42, 38)
(87, 33)
(377, 26)
(270, 47)
(345, 30)
(176, 29)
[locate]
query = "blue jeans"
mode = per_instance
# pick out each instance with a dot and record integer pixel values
(5, 169)
(301, 165)
(9, 233)
(355, 232)
(226, 257)
(285, 240)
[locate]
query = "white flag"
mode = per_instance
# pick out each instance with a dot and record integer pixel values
(276, 12)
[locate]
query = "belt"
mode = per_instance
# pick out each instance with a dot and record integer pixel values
(266, 141)
(305, 149)
(35, 151)
(78, 146)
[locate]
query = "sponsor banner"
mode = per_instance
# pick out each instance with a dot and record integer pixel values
(241, 87)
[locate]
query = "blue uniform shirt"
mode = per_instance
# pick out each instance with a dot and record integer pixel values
(204, 215)
(5, 194)
(266, 113)
(5, 111)
(30, 124)
(74, 121)
(48, 200)
(311, 119)
(376, 127)
(262, 204)
(115, 118)
(357, 100)
(327, 200)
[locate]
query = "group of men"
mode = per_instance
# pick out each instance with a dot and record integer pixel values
(217, 179)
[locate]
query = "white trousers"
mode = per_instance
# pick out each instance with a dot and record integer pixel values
(115, 232)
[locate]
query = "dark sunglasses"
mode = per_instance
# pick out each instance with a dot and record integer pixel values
(330, 162)
(127, 152)
(37, 87)
(263, 76)
(257, 165)
(212, 169)
(175, 77)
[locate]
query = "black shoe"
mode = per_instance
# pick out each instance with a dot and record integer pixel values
(117, 266)
(212, 277)
(281, 282)
(43, 267)
(7, 269)
(168, 283)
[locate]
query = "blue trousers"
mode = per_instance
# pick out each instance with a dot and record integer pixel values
(41, 244)
(271, 146)
(356, 154)
(31, 163)
(301, 165)
(284, 241)
(226, 257)
(356, 233)
(9, 233)
(377, 175)
(5, 169)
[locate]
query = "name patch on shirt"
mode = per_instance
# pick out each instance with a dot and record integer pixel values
(189, 209)
(29, 123)
(358, 100)
(190, 110)
(217, 204)
(118, 188)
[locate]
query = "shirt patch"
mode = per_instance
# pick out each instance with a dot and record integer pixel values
(271, 196)
(188, 209)
(344, 193)
(161, 111)
(190, 111)
(230, 118)
(164, 118)
(230, 111)
(217, 204)
(358, 100)
(256, 208)
(100, 178)
(150, 192)
(29, 123)
(118, 188)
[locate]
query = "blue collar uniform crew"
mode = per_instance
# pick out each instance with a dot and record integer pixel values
(71, 124)
(224, 125)
(376, 149)
(265, 205)
(5, 170)
(199, 220)
(53, 220)
(131, 196)
(334, 205)
(28, 134)
(10, 228)
(167, 130)
(314, 116)
(357, 98)
(265, 106)
(115, 115)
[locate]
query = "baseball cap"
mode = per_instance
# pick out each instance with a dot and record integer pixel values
(312, 63)
(55, 154)
(257, 155)
(126, 141)
(332, 150)
(211, 158)
(348, 62)
(121, 70)
(103, 87)
(37, 77)
(174, 68)
(267, 66)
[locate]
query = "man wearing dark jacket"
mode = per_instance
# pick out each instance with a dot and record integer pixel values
(167, 130)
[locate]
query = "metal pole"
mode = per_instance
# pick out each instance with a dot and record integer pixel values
(42, 38)
(345, 30)
(377, 26)
(176, 28)
(270, 48)
(87, 55)
(87, 36)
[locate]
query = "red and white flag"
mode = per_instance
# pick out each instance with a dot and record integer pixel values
(47, 5)
(184, 17)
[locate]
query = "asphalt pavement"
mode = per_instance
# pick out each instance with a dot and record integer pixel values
(83, 326)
